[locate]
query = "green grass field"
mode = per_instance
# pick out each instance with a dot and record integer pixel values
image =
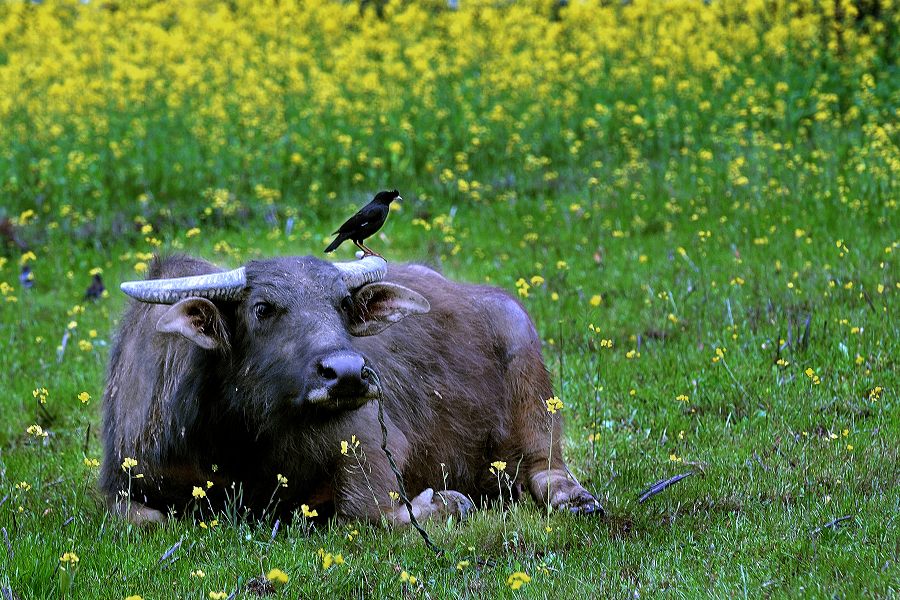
(732, 231)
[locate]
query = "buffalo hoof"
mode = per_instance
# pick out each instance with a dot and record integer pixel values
(455, 503)
(429, 504)
(138, 514)
(582, 503)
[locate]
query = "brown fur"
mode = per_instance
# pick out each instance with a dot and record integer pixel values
(464, 385)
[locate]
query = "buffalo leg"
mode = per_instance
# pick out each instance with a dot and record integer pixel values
(535, 434)
(540, 438)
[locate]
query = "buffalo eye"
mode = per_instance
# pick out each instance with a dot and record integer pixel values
(263, 310)
(347, 304)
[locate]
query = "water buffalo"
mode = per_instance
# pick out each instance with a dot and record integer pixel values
(238, 388)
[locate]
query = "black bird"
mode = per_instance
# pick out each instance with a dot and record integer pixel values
(366, 222)
(96, 289)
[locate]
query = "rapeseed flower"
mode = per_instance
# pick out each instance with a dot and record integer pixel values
(554, 405)
(277, 576)
(517, 580)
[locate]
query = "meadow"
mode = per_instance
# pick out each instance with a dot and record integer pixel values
(696, 202)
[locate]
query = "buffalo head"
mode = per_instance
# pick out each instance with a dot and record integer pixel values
(281, 328)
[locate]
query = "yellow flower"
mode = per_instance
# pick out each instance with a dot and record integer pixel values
(128, 463)
(193, 231)
(596, 299)
(84, 397)
(407, 578)
(198, 492)
(69, 558)
(345, 447)
(682, 397)
(720, 354)
(554, 404)
(37, 431)
(812, 375)
(462, 565)
(199, 574)
(497, 466)
(277, 576)
(135, 597)
(517, 580)
(217, 595)
(282, 480)
(307, 512)
(522, 287)
(91, 462)
(41, 394)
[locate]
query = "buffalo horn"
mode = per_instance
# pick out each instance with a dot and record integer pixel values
(360, 272)
(213, 286)
(228, 285)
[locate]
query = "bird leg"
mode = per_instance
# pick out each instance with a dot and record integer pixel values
(366, 251)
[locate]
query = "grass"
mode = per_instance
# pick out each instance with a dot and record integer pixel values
(770, 238)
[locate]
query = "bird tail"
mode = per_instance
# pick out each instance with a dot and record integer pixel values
(333, 245)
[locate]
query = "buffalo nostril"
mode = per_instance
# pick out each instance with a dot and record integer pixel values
(327, 372)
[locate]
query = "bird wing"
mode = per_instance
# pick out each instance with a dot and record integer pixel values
(358, 220)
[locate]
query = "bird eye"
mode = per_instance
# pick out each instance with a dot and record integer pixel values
(263, 310)
(347, 304)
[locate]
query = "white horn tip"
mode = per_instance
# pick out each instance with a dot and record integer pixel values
(129, 287)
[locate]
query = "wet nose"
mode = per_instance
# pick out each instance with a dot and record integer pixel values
(342, 373)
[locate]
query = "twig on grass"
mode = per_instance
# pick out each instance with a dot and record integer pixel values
(803, 344)
(659, 486)
(831, 524)
(9, 550)
(275, 530)
(61, 350)
(7, 594)
(170, 551)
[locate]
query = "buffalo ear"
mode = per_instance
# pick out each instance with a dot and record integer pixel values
(198, 320)
(377, 306)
